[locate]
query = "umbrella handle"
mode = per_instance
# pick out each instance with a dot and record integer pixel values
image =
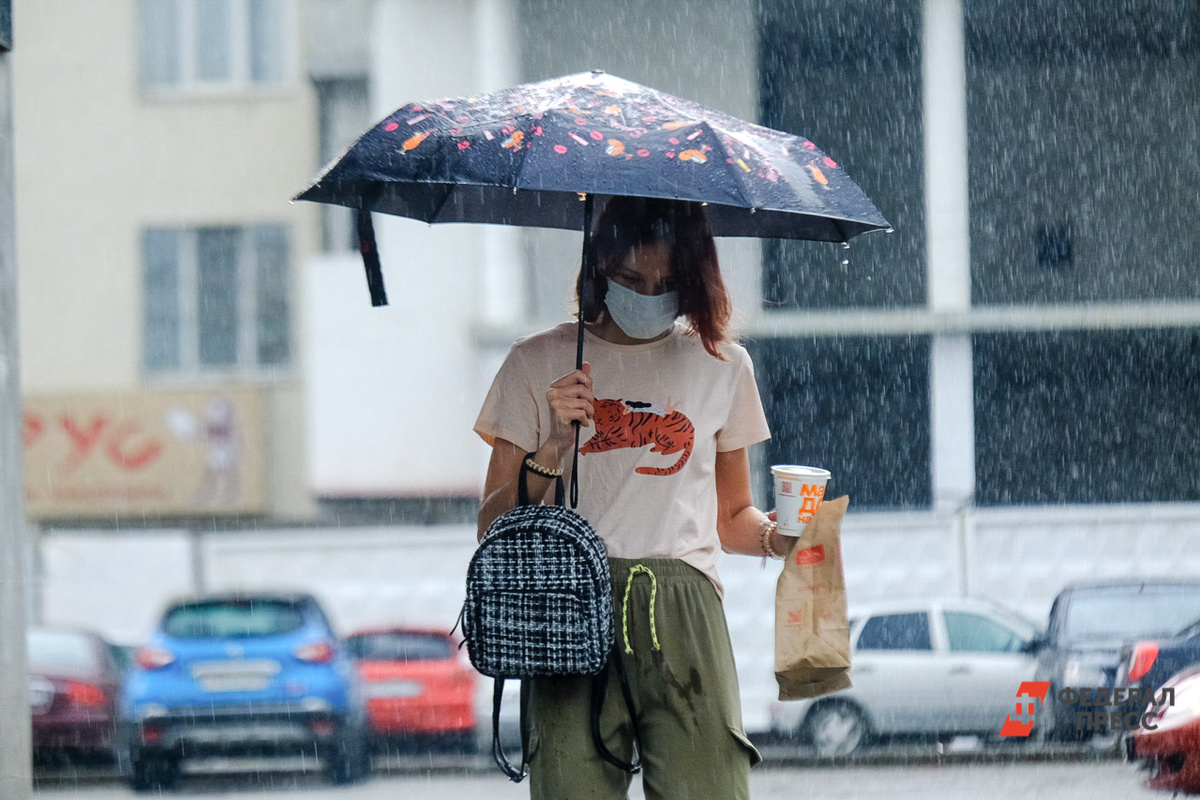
(586, 274)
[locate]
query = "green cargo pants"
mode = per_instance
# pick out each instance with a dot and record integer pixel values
(684, 684)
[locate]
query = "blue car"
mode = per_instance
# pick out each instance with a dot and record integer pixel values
(243, 674)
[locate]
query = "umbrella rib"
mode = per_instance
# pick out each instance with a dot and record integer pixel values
(667, 100)
(746, 199)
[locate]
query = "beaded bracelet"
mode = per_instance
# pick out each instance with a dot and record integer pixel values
(769, 527)
(538, 469)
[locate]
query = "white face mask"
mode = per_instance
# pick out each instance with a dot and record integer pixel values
(641, 316)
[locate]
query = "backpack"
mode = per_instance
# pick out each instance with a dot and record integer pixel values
(539, 604)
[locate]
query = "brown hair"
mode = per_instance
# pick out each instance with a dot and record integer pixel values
(628, 223)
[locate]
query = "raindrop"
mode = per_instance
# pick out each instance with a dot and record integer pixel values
(845, 245)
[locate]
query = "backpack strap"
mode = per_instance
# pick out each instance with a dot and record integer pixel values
(515, 775)
(599, 691)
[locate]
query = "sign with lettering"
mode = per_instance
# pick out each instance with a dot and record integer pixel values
(168, 453)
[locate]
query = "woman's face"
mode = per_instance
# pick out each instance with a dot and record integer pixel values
(647, 270)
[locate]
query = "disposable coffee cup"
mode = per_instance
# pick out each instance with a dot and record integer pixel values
(798, 494)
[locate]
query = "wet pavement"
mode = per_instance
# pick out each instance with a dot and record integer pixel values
(908, 776)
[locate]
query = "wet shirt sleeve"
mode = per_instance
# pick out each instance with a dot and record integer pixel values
(746, 423)
(511, 409)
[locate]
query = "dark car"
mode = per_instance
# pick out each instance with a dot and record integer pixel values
(1089, 625)
(1150, 663)
(243, 674)
(74, 690)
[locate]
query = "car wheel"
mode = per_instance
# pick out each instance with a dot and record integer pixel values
(349, 759)
(835, 729)
(153, 773)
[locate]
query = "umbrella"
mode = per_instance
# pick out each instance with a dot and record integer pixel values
(525, 155)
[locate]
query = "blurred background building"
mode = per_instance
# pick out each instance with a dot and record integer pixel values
(1007, 386)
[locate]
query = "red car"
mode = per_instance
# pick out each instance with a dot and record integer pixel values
(1171, 752)
(418, 684)
(74, 690)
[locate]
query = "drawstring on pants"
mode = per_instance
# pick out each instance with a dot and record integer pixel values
(633, 572)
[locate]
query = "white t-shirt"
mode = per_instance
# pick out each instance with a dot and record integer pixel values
(647, 463)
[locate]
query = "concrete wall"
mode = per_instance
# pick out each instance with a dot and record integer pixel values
(414, 575)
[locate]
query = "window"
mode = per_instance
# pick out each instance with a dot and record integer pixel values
(1102, 615)
(1072, 198)
(215, 299)
(343, 114)
(857, 406)
(972, 633)
(1087, 417)
(222, 619)
(896, 632)
(400, 646)
(848, 77)
(213, 44)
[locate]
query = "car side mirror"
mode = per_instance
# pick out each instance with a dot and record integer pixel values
(1034, 644)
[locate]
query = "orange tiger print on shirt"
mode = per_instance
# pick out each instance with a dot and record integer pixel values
(634, 424)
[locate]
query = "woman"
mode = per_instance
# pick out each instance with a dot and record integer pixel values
(667, 410)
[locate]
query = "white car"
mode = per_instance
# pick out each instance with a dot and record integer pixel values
(937, 667)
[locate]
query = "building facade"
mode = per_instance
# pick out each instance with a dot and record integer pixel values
(1005, 386)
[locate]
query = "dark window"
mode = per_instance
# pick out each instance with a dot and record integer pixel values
(972, 633)
(343, 113)
(1074, 196)
(1087, 417)
(395, 646)
(232, 618)
(896, 632)
(847, 76)
(60, 651)
(858, 407)
(1151, 612)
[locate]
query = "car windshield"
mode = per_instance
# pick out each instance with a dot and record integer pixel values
(55, 651)
(232, 618)
(400, 646)
(1122, 613)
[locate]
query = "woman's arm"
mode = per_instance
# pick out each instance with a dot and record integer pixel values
(500, 486)
(571, 401)
(739, 523)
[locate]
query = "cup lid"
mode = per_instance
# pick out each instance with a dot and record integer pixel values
(797, 471)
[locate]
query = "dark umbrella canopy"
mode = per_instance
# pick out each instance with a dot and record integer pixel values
(521, 156)
(528, 155)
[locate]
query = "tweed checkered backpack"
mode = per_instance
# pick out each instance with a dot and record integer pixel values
(539, 604)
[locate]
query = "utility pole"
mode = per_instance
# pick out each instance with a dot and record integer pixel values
(15, 759)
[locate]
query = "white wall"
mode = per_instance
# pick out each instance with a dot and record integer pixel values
(394, 390)
(1020, 558)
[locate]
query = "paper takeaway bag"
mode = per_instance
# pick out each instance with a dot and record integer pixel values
(812, 634)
